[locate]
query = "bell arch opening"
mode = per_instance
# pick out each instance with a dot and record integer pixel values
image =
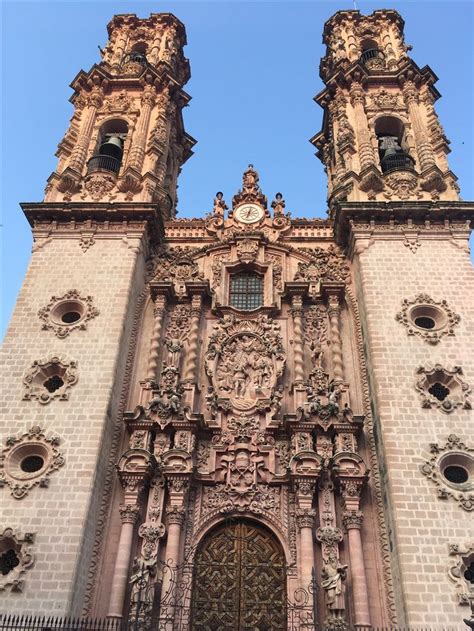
(239, 579)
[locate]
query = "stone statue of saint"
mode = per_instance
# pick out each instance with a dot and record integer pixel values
(219, 205)
(333, 574)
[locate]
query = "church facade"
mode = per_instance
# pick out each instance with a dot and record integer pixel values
(245, 420)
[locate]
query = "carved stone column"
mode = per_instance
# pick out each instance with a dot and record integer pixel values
(352, 521)
(305, 522)
(94, 101)
(334, 313)
(297, 313)
(190, 372)
(129, 514)
(175, 513)
(366, 152)
(425, 151)
(159, 311)
(137, 152)
(160, 292)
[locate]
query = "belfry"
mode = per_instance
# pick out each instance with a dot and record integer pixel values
(245, 420)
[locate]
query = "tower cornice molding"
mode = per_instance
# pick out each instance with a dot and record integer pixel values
(397, 216)
(147, 217)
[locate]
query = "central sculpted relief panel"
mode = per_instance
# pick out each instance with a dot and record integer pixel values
(245, 359)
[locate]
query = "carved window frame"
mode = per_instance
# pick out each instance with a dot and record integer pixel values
(42, 369)
(262, 269)
(13, 538)
(34, 442)
(453, 452)
(459, 390)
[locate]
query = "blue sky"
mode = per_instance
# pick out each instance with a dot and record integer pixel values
(254, 72)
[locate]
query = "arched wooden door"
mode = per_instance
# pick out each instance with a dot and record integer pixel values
(239, 581)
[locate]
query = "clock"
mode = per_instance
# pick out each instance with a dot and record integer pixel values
(248, 213)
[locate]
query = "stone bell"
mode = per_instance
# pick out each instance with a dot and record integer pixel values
(112, 146)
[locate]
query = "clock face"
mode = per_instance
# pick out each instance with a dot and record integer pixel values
(249, 213)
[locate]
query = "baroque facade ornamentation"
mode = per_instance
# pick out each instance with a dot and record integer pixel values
(324, 264)
(451, 468)
(28, 460)
(68, 312)
(462, 556)
(443, 388)
(50, 378)
(427, 318)
(16, 556)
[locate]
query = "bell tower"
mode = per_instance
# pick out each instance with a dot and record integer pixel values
(126, 140)
(396, 210)
(381, 138)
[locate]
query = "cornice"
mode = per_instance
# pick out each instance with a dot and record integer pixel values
(59, 213)
(351, 215)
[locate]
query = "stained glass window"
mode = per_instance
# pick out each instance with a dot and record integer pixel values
(246, 291)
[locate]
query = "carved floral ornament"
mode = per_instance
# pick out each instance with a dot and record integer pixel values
(443, 388)
(427, 318)
(50, 378)
(16, 556)
(68, 312)
(28, 460)
(451, 469)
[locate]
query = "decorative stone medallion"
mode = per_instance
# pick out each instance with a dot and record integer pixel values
(28, 460)
(443, 388)
(451, 468)
(15, 558)
(49, 379)
(68, 312)
(427, 318)
(462, 556)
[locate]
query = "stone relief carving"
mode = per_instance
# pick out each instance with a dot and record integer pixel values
(244, 359)
(68, 312)
(451, 468)
(462, 559)
(430, 313)
(177, 266)
(443, 388)
(242, 469)
(50, 378)
(98, 186)
(385, 100)
(325, 264)
(28, 460)
(17, 556)
(402, 184)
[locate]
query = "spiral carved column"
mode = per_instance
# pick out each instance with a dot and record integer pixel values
(334, 312)
(297, 312)
(193, 347)
(158, 316)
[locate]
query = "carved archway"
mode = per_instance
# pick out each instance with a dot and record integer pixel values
(239, 579)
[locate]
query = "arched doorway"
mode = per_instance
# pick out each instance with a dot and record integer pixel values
(239, 580)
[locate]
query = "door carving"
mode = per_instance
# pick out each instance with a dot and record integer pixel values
(239, 581)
